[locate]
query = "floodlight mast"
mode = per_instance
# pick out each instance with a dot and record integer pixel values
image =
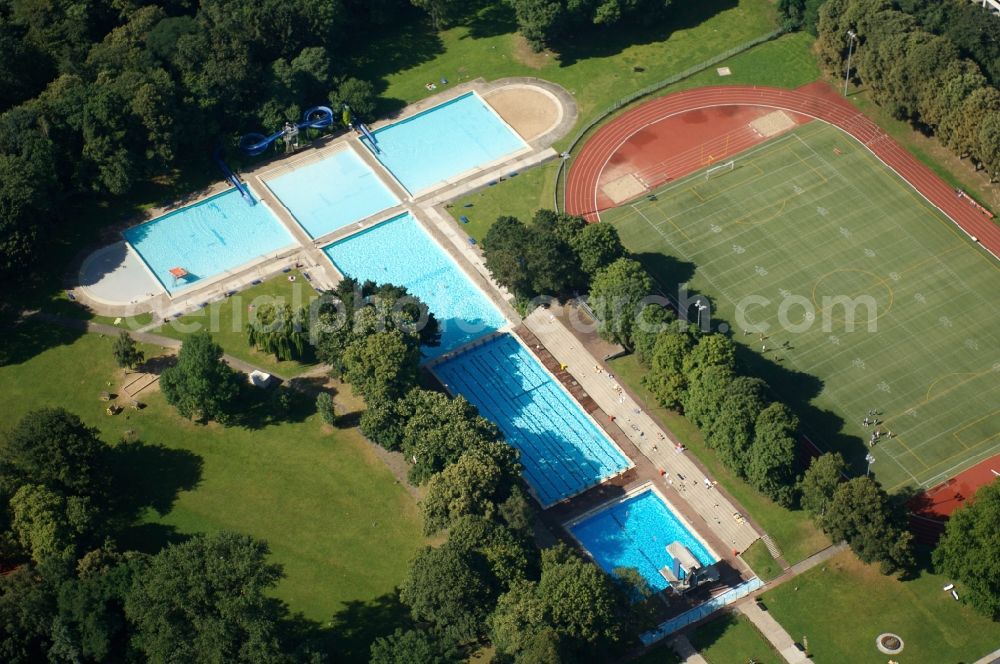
(853, 36)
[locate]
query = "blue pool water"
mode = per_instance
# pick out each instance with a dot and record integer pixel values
(635, 533)
(400, 252)
(562, 450)
(329, 194)
(444, 141)
(207, 238)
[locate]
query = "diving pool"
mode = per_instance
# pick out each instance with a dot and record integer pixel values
(400, 252)
(443, 141)
(207, 238)
(329, 194)
(563, 452)
(635, 533)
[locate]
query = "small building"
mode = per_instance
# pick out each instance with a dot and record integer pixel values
(260, 379)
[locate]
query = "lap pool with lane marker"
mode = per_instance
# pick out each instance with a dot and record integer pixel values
(563, 452)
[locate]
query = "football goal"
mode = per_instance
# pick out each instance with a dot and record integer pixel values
(716, 171)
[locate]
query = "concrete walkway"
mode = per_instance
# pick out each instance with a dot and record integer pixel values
(773, 632)
(992, 658)
(684, 476)
(686, 651)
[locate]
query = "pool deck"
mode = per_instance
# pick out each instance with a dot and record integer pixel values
(648, 445)
(307, 253)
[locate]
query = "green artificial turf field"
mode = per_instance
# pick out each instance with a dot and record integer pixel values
(810, 217)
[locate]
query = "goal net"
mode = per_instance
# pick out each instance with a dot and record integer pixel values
(716, 171)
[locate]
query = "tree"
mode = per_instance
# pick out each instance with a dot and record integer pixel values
(597, 246)
(359, 95)
(653, 319)
(325, 408)
(54, 448)
(382, 423)
(413, 646)
(536, 20)
(48, 524)
(703, 399)
(206, 600)
(712, 350)
(476, 485)
(127, 355)
(201, 385)
(666, 378)
(91, 609)
(442, 12)
(731, 432)
(580, 600)
(820, 481)
(770, 463)
(969, 551)
(27, 609)
(861, 514)
(278, 330)
(439, 429)
(505, 248)
(510, 558)
(616, 294)
(449, 585)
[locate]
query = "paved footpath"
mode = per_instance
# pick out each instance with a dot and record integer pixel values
(687, 480)
(773, 632)
(686, 651)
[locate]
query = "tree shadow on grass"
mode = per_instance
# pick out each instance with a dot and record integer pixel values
(21, 340)
(359, 623)
(399, 47)
(667, 271)
(491, 19)
(150, 476)
(259, 408)
(599, 41)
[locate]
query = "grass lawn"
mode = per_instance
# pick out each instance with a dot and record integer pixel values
(842, 606)
(792, 530)
(335, 517)
(796, 226)
(761, 562)
(786, 62)
(226, 320)
(597, 67)
(661, 654)
(732, 639)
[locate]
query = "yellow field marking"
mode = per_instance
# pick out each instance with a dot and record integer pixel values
(995, 434)
(811, 167)
(877, 278)
(930, 258)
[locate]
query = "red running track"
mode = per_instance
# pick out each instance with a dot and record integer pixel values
(815, 101)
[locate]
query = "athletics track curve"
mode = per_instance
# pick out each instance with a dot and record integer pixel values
(584, 175)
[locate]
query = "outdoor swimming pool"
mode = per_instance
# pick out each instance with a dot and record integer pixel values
(400, 252)
(331, 193)
(443, 141)
(563, 452)
(207, 238)
(635, 533)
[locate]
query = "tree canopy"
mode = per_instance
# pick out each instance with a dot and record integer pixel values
(206, 600)
(969, 551)
(616, 295)
(201, 385)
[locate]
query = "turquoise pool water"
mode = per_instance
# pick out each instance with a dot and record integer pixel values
(444, 141)
(400, 252)
(562, 450)
(635, 533)
(207, 238)
(329, 194)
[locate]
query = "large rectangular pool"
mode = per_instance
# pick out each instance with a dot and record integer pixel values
(441, 142)
(400, 252)
(329, 194)
(207, 238)
(635, 533)
(562, 450)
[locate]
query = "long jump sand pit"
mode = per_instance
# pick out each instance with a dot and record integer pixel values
(773, 124)
(530, 111)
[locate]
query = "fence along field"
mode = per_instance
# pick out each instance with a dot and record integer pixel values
(802, 225)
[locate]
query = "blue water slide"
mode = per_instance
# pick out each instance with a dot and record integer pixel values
(231, 177)
(369, 135)
(317, 117)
